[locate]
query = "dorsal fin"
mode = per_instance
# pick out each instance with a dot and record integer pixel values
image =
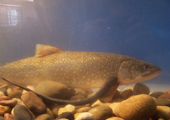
(43, 50)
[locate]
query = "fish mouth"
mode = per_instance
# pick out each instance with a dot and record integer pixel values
(153, 73)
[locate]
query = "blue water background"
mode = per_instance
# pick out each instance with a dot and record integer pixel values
(136, 28)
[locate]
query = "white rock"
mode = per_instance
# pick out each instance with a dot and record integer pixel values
(85, 116)
(67, 108)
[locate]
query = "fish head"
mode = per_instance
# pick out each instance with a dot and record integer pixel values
(134, 71)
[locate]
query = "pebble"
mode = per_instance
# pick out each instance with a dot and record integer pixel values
(85, 116)
(52, 89)
(97, 103)
(34, 103)
(167, 91)
(3, 89)
(4, 98)
(115, 118)
(29, 87)
(156, 94)
(15, 94)
(83, 109)
(44, 117)
(162, 112)
(9, 91)
(55, 109)
(1, 118)
(19, 101)
(165, 96)
(67, 115)
(2, 110)
(114, 107)
(126, 93)
(8, 116)
(101, 112)
(49, 112)
(67, 108)
(22, 113)
(81, 92)
(62, 119)
(1, 93)
(140, 88)
(162, 102)
(10, 103)
(139, 107)
(8, 109)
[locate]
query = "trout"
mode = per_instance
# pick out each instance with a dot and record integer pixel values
(77, 69)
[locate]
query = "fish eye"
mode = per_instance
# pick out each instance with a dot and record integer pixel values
(145, 67)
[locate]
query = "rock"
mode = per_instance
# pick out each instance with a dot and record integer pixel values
(4, 98)
(52, 89)
(126, 93)
(67, 115)
(114, 118)
(8, 109)
(8, 116)
(15, 94)
(77, 97)
(3, 89)
(1, 118)
(156, 94)
(19, 101)
(33, 103)
(114, 108)
(2, 93)
(140, 88)
(127, 88)
(44, 117)
(139, 107)
(62, 119)
(9, 91)
(2, 110)
(22, 113)
(85, 116)
(165, 96)
(81, 92)
(83, 109)
(167, 91)
(49, 112)
(67, 108)
(162, 112)
(162, 102)
(10, 103)
(97, 103)
(29, 87)
(88, 91)
(55, 109)
(101, 112)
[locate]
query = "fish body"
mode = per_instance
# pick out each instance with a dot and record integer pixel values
(77, 69)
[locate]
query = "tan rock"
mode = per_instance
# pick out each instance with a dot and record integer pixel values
(139, 107)
(101, 112)
(162, 112)
(114, 107)
(67, 108)
(114, 118)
